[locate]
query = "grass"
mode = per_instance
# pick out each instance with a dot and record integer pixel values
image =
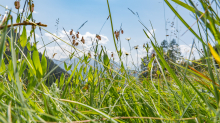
(177, 93)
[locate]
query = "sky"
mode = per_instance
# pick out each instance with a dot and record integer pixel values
(73, 13)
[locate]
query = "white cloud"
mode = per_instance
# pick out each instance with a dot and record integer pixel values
(85, 48)
(152, 31)
(185, 51)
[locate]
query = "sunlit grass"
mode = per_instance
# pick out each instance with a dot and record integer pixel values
(174, 93)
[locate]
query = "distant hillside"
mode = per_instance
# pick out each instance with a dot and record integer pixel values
(50, 64)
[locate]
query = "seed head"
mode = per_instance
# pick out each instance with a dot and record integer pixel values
(98, 36)
(82, 40)
(73, 37)
(153, 54)
(117, 34)
(89, 54)
(76, 44)
(126, 53)
(74, 41)
(71, 32)
(17, 4)
(77, 35)
(122, 31)
(112, 55)
(54, 55)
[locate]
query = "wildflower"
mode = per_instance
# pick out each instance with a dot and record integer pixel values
(17, 4)
(126, 53)
(82, 40)
(128, 39)
(71, 32)
(77, 35)
(136, 47)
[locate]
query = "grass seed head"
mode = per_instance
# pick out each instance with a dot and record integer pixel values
(17, 4)
(76, 44)
(74, 41)
(71, 32)
(73, 37)
(83, 40)
(117, 34)
(89, 54)
(153, 54)
(98, 36)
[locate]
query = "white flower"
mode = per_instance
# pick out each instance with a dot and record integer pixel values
(128, 38)
(6, 7)
(19, 60)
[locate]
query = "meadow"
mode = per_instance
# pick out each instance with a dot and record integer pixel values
(107, 91)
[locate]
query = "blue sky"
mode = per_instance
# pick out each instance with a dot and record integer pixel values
(72, 13)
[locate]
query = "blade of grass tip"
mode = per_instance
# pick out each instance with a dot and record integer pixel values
(187, 107)
(91, 108)
(110, 15)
